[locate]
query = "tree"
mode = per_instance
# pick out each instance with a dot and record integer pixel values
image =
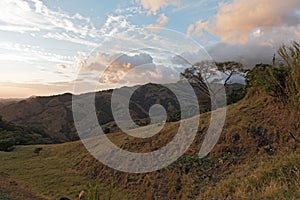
(204, 75)
(231, 68)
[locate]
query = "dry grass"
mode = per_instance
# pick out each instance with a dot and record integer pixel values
(240, 166)
(12, 190)
(52, 174)
(263, 177)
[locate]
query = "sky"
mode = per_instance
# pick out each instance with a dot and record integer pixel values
(48, 46)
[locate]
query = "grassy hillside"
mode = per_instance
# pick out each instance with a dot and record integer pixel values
(255, 137)
(255, 157)
(50, 175)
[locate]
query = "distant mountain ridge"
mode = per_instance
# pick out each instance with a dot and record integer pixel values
(5, 102)
(53, 114)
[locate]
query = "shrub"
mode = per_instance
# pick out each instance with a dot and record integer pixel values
(7, 144)
(106, 130)
(271, 78)
(281, 80)
(236, 95)
(38, 150)
(291, 57)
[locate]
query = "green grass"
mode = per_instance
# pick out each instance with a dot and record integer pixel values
(52, 173)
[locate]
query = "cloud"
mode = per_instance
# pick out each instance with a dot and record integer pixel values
(260, 48)
(70, 38)
(132, 61)
(31, 54)
(161, 22)
(250, 31)
(19, 29)
(62, 66)
(189, 58)
(237, 21)
(121, 69)
(123, 66)
(123, 62)
(197, 28)
(249, 55)
(149, 73)
(155, 5)
(34, 16)
(115, 25)
(298, 33)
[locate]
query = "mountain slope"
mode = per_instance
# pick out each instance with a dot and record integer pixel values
(255, 157)
(53, 114)
(5, 102)
(254, 136)
(11, 135)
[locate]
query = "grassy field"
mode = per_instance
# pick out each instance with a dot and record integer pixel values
(51, 175)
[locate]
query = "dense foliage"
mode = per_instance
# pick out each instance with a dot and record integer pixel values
(281, 79)
(270, 78)
(11, 135)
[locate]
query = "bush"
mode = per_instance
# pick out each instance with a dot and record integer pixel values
(38, 150)
(7, 144)
(106, 130)
(236, 95)
(271, 78)
(291, 57)
(281, 80)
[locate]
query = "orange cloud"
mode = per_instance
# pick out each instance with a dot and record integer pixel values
(161, 22)
(155, 5)
(197, 29)
(235, 22)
